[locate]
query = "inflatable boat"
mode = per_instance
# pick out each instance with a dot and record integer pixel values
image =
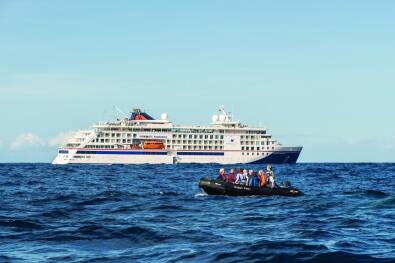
(219, 187)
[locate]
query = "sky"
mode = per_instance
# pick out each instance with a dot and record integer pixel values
(315, 73)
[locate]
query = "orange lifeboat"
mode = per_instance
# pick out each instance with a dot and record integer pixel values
(156, 145)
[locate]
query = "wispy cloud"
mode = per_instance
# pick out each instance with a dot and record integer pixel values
(60, 138)
(33, 140)
(26, 140)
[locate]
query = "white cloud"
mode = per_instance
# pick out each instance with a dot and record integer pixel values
(32, 140)
(26, 139)
(60, 138)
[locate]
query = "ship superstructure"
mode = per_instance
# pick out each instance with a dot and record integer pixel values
(143, 139)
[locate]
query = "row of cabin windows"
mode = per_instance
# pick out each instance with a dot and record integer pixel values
(184, 136)
(254, 153)
(189, 136)
(129, 135)
(180, 136)
(109, 130)
(112, 141)
(189, 147)
(168, 147)
(254, 149)
(181, 142)
(135, 130)
(117, 135)
(195, 147)
(251, 143)
(101, 146)
(196, 136)
(256, 132)
(247, 148)
(256, 143)
(252, 137)
(168, 141)
(195, 142)
(178, 130)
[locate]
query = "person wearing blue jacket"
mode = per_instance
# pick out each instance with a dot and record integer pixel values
(254, 180)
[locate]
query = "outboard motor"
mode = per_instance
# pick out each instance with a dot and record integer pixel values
(286, 184)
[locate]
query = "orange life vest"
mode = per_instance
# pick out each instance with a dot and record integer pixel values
(263, 180)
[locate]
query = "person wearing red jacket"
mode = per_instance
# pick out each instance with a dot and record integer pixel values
(222, 175)
(232, 176)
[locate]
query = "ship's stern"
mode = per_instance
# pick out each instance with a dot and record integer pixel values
(64, 156)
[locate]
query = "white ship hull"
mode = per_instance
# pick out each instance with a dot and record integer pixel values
(94, 156)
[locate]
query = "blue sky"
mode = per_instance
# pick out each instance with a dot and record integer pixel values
(315, 73)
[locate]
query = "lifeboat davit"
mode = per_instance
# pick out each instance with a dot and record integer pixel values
(153, 145)
(219, 187)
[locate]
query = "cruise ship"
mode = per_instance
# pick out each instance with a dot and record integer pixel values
(142, 139)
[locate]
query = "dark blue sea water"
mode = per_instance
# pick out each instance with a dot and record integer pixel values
(150, 213)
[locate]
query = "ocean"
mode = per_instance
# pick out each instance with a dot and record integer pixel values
(157, 213)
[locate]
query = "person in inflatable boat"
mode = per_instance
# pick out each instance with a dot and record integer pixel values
(253, 180)
(270, 176)
(222, 175)
(241, 177)
(262, 179)
(232, 176)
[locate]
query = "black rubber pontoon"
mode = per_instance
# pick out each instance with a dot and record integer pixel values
(219, 187)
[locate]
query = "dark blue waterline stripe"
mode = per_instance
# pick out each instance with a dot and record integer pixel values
(278, 158)
(200, 153)
(122, 152)
(63, 151)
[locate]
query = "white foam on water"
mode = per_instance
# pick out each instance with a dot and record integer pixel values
(201, 194)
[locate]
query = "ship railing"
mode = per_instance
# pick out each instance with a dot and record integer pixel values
(88, 139)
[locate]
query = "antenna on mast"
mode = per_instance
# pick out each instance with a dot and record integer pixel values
(226, 116)
(119, 112)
